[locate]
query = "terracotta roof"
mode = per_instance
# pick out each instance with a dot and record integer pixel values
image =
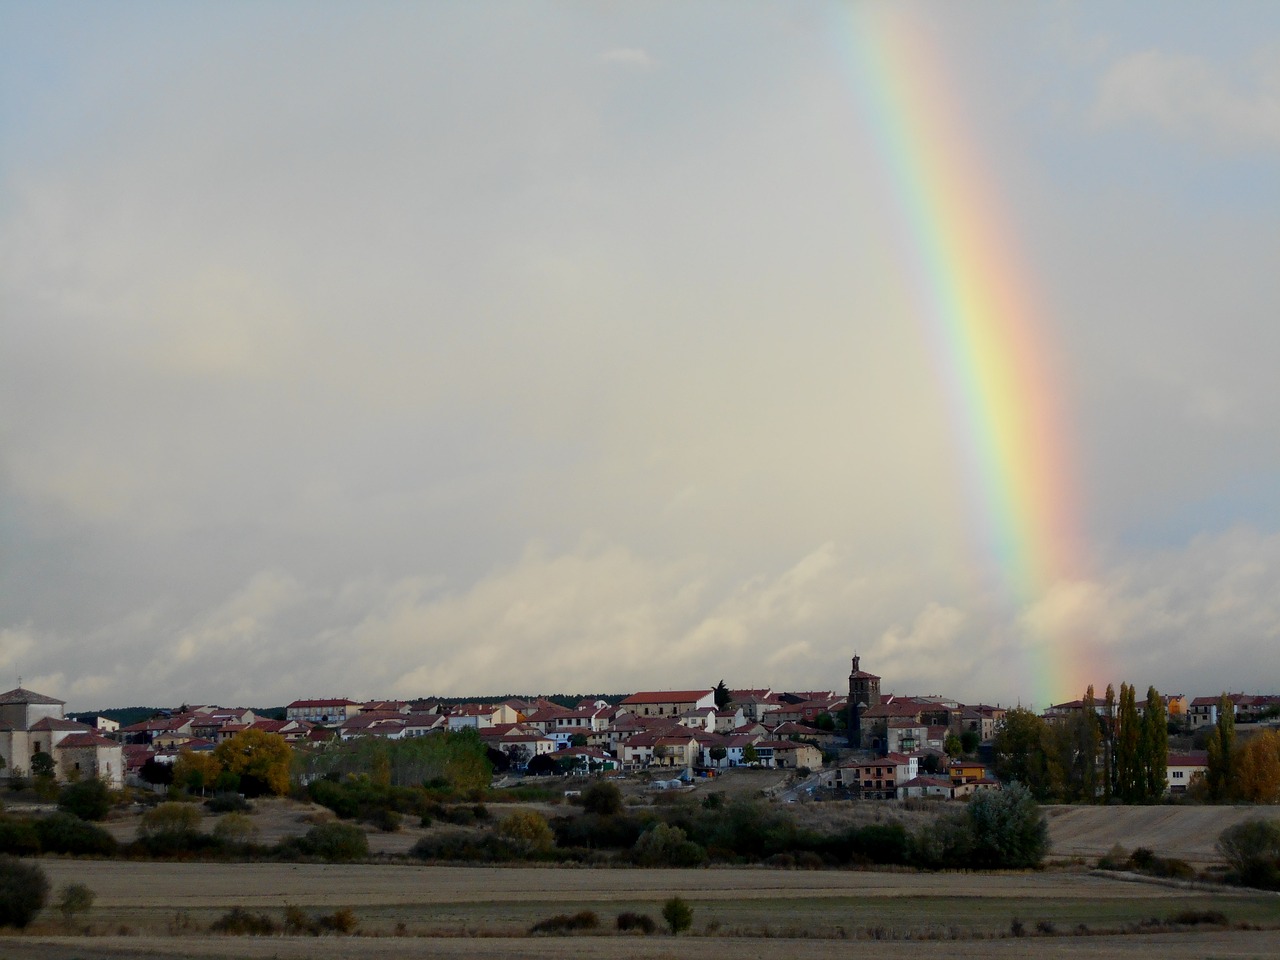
(90, 739)
(297, 704)
(667, 696)
(59, 723)
(24, 696)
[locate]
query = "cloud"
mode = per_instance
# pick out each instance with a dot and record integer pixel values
(629, 56)
(1191, 98)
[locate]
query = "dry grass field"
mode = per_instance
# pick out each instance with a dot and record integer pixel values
(164, 910)
(412, 910)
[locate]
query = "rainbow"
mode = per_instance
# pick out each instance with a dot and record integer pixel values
(988, 334)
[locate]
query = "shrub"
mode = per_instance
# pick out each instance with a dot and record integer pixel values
(227, 802)
(334, 841)
(385, 819)
(74, 898)
(18, 837)
(566, 923)
(23, 891)
(666, 846)
(603, 798)
(63, 833)
(1192, 918)
(235, 828)
(340, 921)
(89, 799)
(678, 914)
(1115, 859)
(1008, 829)
(636, 921)
(240, 921)
(171, 817)
(1252, 849)
(528, 828)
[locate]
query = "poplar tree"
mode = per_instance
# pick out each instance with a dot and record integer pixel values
(1155, 730)
(1128, 744)
(1221, 747)
(1090, 738)
(1109, 745)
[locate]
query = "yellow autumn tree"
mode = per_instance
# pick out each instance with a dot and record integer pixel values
(1256, 768)
(196, 771)
(261, 760)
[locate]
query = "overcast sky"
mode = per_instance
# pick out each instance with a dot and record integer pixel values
(394, 350)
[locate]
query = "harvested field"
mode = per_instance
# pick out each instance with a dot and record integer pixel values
(420, 911)
(1187, 833)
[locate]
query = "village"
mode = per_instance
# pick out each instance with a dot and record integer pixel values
(859, 744)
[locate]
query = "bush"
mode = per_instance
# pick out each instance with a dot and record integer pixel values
(1252, 849)
(171, 817)
(340, 921)
(566, 923)
(334, 841)
(235, 828)
(227, 802)
(23, 891)
(240, 921)
(89, 799)
(603, 798)
(666, 846)
(63, 833)
(529, 828)
(74, 898)
(678, 914)
(19, 838)
(1194, 918)
(636, 921)
(1008, 829)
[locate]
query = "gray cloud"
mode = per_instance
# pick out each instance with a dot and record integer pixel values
(435, 353)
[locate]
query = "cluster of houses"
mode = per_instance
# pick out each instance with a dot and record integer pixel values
(888, 746)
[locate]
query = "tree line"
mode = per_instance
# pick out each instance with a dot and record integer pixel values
(1116, 751)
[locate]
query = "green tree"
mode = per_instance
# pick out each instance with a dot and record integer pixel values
(1109, 744)
(1129, 782)
(1007, 828)
(603, 798)
(1253, 850)
(970, 741)
(89, 799)
(1221, 749)
(678, 914)
(750, 754)
(951, 746)
(825, 722)
(42, 764)
(1155, 740)
(723, 696)
(1088, 744)
(1019, 750)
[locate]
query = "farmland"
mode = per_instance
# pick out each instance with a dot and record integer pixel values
(164, 909)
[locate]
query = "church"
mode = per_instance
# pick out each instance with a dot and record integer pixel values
(32, 724)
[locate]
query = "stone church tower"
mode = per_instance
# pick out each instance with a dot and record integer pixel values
(864, 692)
